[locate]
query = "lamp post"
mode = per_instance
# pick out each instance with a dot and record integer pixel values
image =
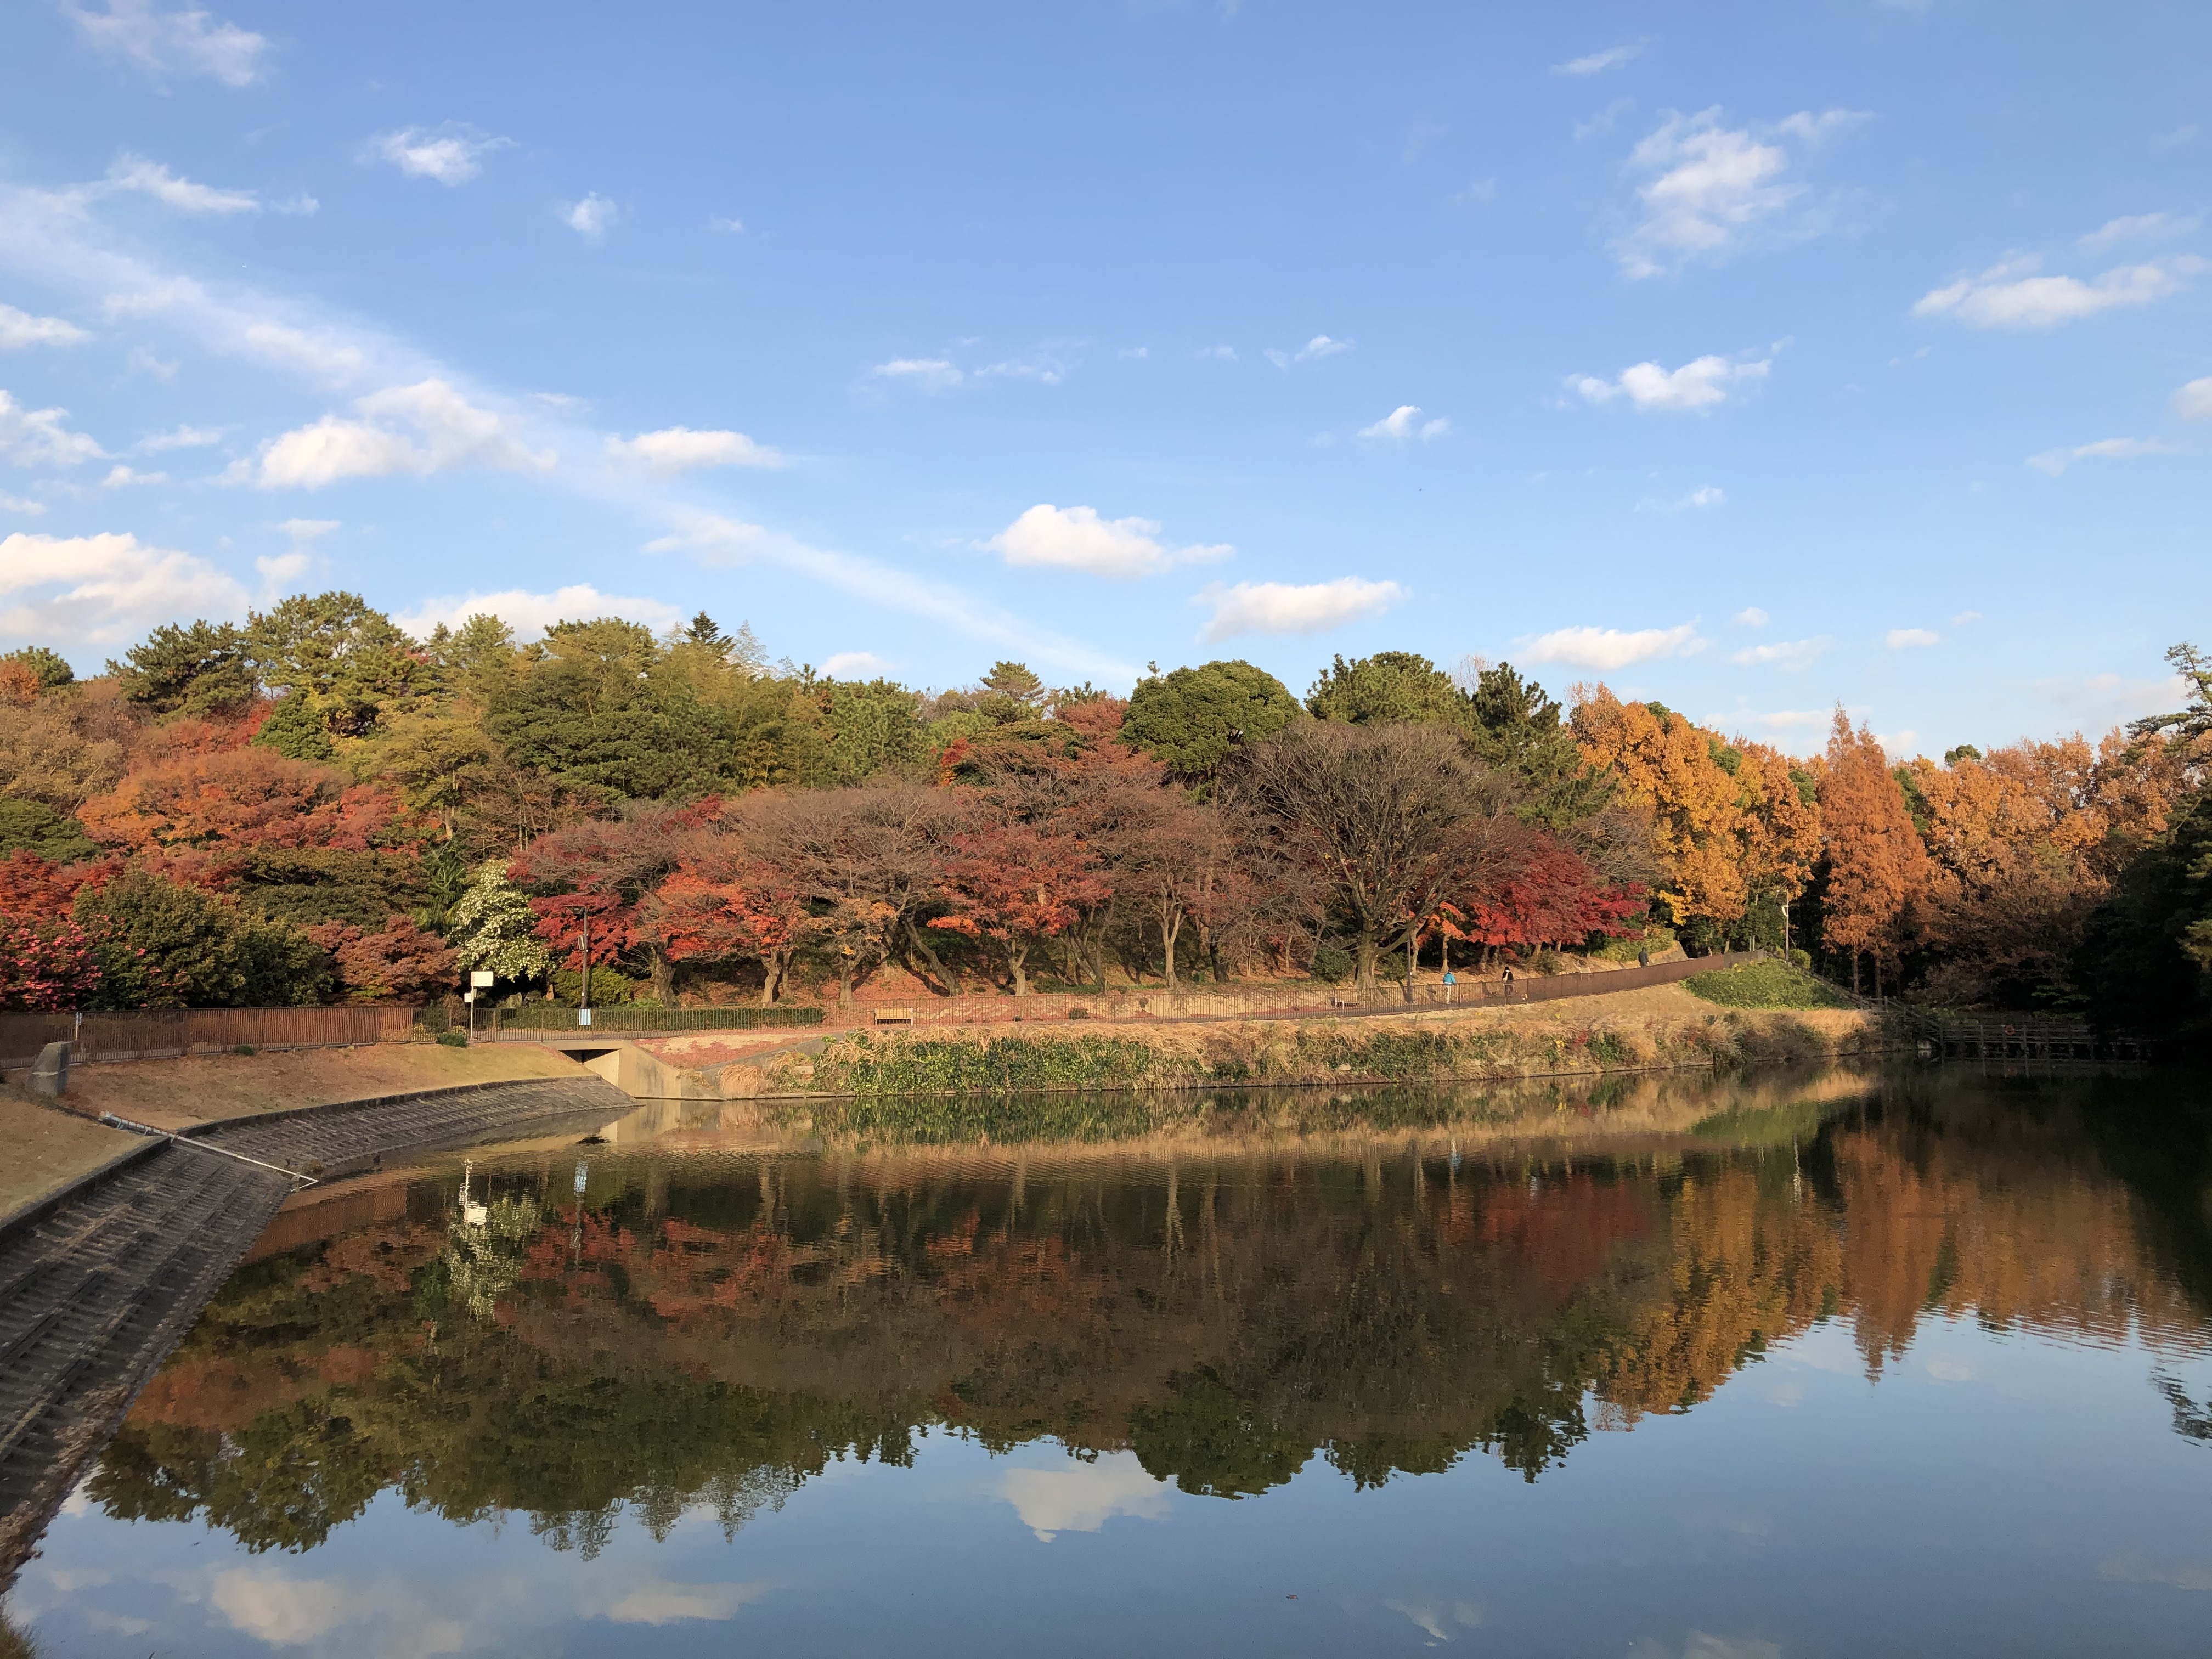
(584, 995)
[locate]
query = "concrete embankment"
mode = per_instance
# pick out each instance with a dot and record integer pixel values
(102, 1273)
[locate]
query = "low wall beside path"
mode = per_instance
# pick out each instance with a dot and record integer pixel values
(167, 1033)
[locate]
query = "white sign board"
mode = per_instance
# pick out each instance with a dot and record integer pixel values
(480, 979)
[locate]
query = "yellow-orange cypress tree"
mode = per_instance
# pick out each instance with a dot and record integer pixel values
(1662, 761)
(1878, 868)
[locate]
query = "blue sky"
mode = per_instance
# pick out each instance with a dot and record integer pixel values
(1751, 358)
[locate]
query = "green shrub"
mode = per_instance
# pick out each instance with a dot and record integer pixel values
(1765, 985)
(454, 1039)
(165, 945)
(1332, 963)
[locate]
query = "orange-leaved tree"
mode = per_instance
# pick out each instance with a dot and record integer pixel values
(1662, 761)
(1879, 873)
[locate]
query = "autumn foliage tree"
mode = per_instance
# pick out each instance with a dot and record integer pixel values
(1879, 872)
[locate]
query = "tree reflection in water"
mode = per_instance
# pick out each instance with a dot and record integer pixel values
(704, 1328)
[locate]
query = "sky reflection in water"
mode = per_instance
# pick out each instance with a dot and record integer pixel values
(1912, 1363)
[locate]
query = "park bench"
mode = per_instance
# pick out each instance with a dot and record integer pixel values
(894, 1016)
(1344, 998)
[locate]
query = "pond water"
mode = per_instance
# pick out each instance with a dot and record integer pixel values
(1834, 1364)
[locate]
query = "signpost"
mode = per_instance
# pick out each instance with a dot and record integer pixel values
(480, 980)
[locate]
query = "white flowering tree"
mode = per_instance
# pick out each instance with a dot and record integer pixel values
(494, 929)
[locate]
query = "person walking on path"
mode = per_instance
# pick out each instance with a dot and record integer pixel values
(1643, 956)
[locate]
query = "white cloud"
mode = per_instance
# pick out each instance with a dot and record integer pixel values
(183, 43)
(1788, 719)
(855, 665)
(930, 373)
(1219, 354)
(1702, 383)
(118, 475)
(1609, 648)
(36, 437)
(308, 530)
(105, 589)
(182, 437)
(728, 224)
(2055, 461)
(656, 1601)
(136, 173)
(19, 329)
(531, 614)
(1597, 62)
(2194, 401)
(1283, 608)
(1404, 423)
(1899, 639)
(279, 569)
(1077, 538)
(1085, 1497)
(1749, 617)
(2139, 227)
(678, 448)
(1965, 616)
(1789, 654)
(29, 509)
(1708, 190)
(1701, 500)
(448, 432)
(296, 349)
(452, 154)
(1138, 353)
(705, 533)
(1320, 346)
(1477, 192)
(2009, 295)
(592, 217)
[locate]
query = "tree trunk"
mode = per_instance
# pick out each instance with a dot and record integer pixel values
(1363, 972)
(664, 976)
(1412, 957)
(1018, 962)
(1168, 931)
(921, 948)
(772, 970)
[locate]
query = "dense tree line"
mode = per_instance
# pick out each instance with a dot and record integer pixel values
(314, 805)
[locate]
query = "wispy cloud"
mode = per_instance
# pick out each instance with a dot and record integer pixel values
(1404, 423)
(179, 43)
(1788, 655)
(930, 373)
(2055, 461)
(1597, 63)
(2011, 294)
(2194, 401)
(137, 173)
(591, 218)
(855, 665)
(181, 437)
(1700, 385)
(19, 329)
(1608, 649)
(2140, 228)
(1077, 538)
(679, 449)
(452, 154)
(1708, 192)
(1702, 498)
(1320, 346)
(1751, 616)
(1219, 354)
(1288, 608)
(1903, 638)
(1048, 364)
(37, 437)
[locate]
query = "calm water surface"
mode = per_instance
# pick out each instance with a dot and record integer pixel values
(1824, 1364)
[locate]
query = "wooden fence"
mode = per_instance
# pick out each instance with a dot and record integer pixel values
(166, 1033)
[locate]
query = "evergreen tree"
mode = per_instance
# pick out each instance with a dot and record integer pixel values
(202, 669)
(1191, 719)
